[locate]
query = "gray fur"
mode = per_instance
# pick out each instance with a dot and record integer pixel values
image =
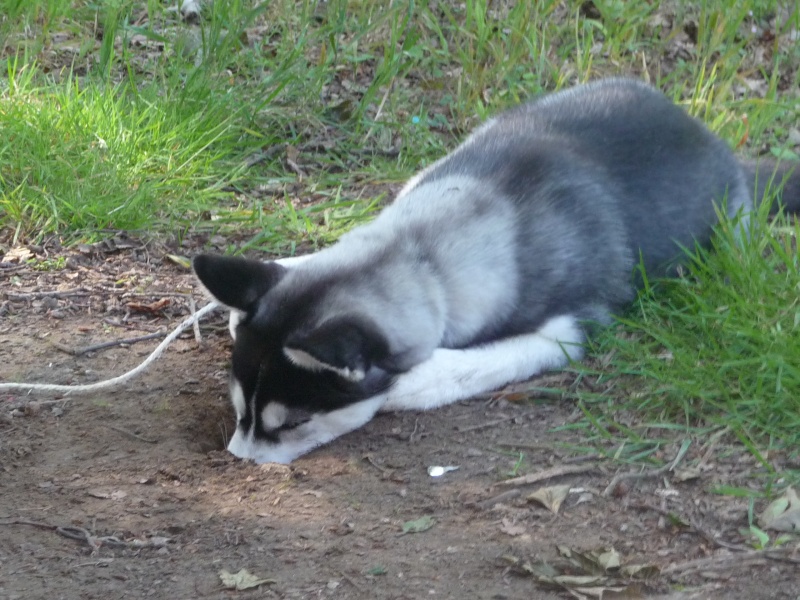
(537, 222)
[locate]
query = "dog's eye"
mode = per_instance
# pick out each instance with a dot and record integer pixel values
(296, 417)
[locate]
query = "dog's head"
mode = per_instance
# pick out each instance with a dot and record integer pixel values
(299, 376)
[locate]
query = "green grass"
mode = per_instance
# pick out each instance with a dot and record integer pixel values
(282, 124)
(88, 155)
(714, 349)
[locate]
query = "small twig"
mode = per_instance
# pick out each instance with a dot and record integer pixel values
(504, 497)
(11, 268)
(711, 446)
(547, 474)
(485, 425)
(381, 468)
(296, 168)
(28, 522)
(84, 535)
(549, 449)
(195, 325)
(134, 327)
(267, 154)
(739, 560)
(131, 434)
(413, 433)
(619, 478)
(153, 294)
(103, 562)
(524, 446)
(18, 296)
(379, 111)
(104, 345)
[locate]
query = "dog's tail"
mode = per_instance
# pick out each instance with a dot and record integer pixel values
(779, 180)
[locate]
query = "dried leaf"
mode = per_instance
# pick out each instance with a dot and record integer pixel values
(243, 580)
(18, 255)
(550, 497)
(687, 474)
(609, 559)
(418, 526)
(181, 261)
(104, 495)
(783, 513)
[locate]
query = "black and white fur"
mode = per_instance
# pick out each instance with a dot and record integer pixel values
(486, 269)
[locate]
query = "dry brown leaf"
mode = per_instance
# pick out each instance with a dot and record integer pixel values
(19, 255)
(783, 513)
(242, 580)
(550, 497)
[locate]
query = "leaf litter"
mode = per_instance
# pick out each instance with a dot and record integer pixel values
(418, 525)
(597, 573)
(783, 513)
(243, 580)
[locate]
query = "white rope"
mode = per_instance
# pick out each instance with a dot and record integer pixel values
(116, 381)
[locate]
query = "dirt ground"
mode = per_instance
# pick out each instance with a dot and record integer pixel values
(130, 494)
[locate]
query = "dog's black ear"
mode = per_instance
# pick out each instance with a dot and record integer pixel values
(346, 345)
(236, 282)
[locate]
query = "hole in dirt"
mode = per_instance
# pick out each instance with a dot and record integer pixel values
(211, 427)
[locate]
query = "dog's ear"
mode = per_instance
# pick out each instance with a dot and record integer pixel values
(346, 345)
(236, 282)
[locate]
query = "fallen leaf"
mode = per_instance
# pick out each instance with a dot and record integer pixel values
(418, 526)
(571, 580)
(593, 574)
(785, 154)
(243, 580)
(687, 474)
(181, 261)
(608, 559)
(783, 513)
(550, 497)
(104, 495)
(18, 255)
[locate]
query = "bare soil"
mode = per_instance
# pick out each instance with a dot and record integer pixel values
(130, 494)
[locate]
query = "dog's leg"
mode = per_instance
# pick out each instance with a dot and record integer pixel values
(452, 375)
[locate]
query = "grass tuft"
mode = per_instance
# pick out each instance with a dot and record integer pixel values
(715, 348)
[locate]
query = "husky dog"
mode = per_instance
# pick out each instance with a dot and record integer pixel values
(488, 267)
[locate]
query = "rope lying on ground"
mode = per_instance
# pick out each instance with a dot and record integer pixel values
(121, 379)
